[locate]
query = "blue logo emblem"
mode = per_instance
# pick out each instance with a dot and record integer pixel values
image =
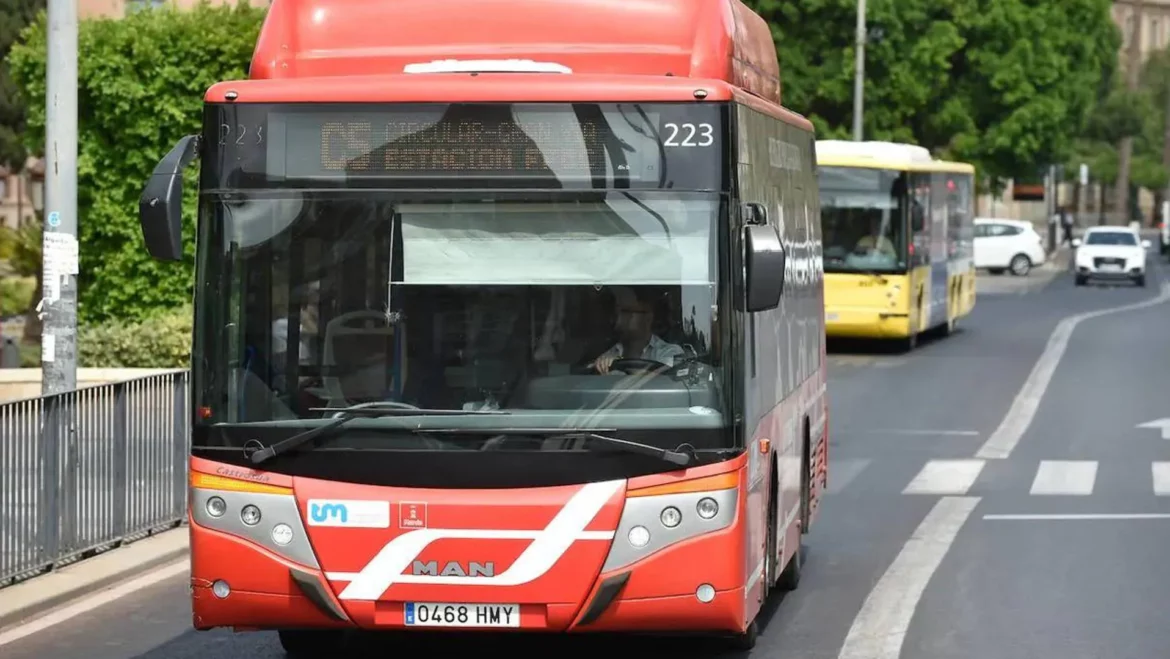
(320, 513)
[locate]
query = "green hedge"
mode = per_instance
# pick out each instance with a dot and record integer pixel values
(161, 341)
(141, 81)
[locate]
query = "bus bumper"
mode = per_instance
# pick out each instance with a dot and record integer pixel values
(866, 323)
(663, 592)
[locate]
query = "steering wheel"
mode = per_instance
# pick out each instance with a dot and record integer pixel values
(632, 365)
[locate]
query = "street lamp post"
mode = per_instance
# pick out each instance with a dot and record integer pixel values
(59, 251)
(859, 72)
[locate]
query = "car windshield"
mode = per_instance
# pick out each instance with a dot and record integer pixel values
(1110, 238)
(863, 216)
(497, 301)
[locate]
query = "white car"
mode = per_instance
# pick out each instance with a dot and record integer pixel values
(1111, 253)
(1003, 244)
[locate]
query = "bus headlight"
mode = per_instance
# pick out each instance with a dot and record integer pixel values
(250, 515)
(707, 508)
(216, 507)
(639, 536)
(282, 534)
(671, 517)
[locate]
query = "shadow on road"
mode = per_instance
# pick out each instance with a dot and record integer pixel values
(838, 346)
(265, 645)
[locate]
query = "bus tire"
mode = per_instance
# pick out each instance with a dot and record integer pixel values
(746, 640)
(790, 577)
(309, 643)
(773, 532)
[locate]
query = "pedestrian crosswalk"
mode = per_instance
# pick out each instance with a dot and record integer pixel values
(960, 477)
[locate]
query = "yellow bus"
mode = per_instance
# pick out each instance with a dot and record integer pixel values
(898, 235)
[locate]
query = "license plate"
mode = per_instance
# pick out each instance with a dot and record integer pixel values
(1110, 267)
(437, 614)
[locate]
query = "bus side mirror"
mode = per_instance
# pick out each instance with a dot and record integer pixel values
(160, 208)
(763, 268)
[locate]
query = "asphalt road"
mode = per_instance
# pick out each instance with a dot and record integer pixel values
(906, 433)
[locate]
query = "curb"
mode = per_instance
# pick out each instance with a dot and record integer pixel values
(27, 599)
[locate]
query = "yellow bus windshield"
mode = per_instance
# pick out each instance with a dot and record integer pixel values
(863, 218)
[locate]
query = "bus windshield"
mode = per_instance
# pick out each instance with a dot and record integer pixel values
(563, 309)
(863, 217)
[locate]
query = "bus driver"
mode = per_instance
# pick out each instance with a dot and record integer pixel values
(634, 319)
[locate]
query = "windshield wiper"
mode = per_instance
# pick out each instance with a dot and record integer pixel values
(674, 457)
(346, 414)
(678, 457)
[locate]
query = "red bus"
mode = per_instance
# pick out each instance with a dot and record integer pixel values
(503, 321)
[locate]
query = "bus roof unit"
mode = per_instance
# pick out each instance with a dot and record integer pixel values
(701, 39)
(886, 152)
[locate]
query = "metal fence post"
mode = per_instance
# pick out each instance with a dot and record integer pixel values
(121, 502)
(67, 438)
(179, 442)
(50, 465)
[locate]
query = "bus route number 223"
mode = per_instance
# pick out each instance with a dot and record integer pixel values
(688, 135)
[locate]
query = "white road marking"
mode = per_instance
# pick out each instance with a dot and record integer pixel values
(953, 477)
(843, 473)
(1003, 441)
(1161, 473)
(1085, 516)
(1162, 425)
(94, 602)
(899, 431)
(880, 627)
(1065, 477)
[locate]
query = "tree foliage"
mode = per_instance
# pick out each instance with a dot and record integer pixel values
(1006, 84)
(141, 83)
(15, 15)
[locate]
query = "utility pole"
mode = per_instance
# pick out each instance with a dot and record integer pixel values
(59, 246)
(1082, 192)
(859, 72)
(1125, 149)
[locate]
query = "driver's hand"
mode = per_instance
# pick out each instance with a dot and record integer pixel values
(603, 363)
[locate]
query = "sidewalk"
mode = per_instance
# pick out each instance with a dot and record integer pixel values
(31, 598)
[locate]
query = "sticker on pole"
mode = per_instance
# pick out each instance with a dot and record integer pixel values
(54, 219)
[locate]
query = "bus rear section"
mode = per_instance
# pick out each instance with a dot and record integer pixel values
(899, 231)
(469, 362)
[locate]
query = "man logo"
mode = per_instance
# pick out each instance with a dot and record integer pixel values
(326, 511)
(454, 569)
(361, 514)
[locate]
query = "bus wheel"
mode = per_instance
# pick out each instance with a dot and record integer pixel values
(747, 640)
(790, 577)
(910, 342)
(309, 643)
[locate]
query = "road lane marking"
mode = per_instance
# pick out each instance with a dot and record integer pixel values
(1077, 517)
(1161, 474)
(949, 433)
(844, 471)
(952, 477)
(1065, 477)
(96, 601)
(880, 627)
(1003, 441)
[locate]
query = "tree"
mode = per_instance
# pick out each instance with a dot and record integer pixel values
(1006, 84)
(15, 15)
(141, 83)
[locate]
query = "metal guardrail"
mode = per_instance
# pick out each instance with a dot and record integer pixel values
(88, 470)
